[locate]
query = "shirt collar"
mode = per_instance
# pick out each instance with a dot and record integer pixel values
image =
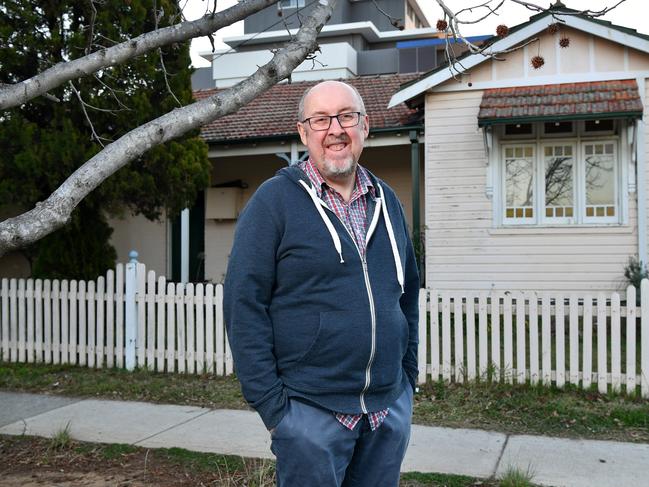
(362, 184)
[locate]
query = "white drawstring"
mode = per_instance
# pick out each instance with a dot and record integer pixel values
(325, 218)
(393, 242)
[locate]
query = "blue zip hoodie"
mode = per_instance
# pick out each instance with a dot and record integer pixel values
(306, 316)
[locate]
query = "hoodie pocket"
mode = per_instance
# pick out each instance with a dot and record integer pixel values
(343, 341)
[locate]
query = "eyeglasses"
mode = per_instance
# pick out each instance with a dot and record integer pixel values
(323, 122)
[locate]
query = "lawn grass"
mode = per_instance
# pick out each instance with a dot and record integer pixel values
(568, 412)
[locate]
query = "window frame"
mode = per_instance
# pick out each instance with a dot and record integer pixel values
(497, 190)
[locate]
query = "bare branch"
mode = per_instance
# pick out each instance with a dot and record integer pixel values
(54, 212)
(12, 95)
(95, 136)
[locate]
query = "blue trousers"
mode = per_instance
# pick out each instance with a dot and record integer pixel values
(314, 450)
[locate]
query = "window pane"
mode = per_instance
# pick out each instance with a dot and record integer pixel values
(600, 180)
(558, 127)
(518, 129)
(559, 181)
(519, 171)
(599, 125)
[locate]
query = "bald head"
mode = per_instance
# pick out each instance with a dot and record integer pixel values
(323, 87)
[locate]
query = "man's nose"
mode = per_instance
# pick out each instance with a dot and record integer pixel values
(335, 127)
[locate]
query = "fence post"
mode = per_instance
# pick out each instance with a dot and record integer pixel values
(644, 338)
(130, 322)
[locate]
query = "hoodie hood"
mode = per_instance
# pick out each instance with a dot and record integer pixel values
(298, 176)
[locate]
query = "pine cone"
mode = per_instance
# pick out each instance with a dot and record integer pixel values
(537, 62)
(502, 30)
(564, 41)
(553, 29)
(442, 25)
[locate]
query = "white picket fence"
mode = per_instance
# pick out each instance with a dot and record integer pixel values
(537, 337)
(129, 318)
(124, 319)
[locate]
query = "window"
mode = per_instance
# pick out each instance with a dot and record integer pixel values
(554, 179)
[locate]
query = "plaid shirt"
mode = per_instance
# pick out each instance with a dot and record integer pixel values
(354, 216)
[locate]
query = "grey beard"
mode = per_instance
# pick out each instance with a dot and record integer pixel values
(335, 172)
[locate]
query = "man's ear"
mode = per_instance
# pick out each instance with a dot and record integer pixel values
(302, 131)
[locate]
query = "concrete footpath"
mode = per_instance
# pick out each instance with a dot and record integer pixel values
(553, 461)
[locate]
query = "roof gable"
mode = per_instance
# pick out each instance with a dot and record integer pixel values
(518, 35)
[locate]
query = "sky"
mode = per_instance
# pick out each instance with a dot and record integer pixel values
(631, 13)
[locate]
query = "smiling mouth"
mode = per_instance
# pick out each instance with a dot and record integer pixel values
(337, 147)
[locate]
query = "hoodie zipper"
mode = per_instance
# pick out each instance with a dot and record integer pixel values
(370, 297)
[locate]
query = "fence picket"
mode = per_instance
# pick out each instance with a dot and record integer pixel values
(446, 337)
(546, 340)
(483, 354)
(218, 300)
(100, 335)
(560, 338)
(219, 331)
(508, 359)
(189, 311)
(587, 334)
(57, 304)
(72, 332)
(119, 315)
(616, 352)
(47, 321)
(65, 322)
(110, 319)
(534, 339)
(495, 334)
(4, 297)
(434, 336)
(574, 339)
(13, 320)
(29, 304)
(630, 369)
(470, 338)
(521, 349)
(200, 328)
(181, 342)
(209, 329)
(150, 320)
(421, 349)
(602, 345)
(21, 320)
(160, 342)
(644, 338)
(171, 327)
(458, 338)
(140, 293)
(91, 324)
(82, 334)
(38, 320)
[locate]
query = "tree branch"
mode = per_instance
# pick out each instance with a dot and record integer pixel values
(54, 212)
(12, 95)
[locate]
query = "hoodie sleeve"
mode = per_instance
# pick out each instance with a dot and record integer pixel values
(246, 299)
(410, 306)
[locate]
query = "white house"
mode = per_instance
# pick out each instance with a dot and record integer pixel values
(536, 179)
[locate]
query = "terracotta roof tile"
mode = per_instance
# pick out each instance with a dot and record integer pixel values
(274, 113)
(560, 100)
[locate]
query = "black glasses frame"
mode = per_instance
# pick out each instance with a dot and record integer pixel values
(331, 117)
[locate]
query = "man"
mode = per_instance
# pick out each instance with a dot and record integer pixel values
(321, 306)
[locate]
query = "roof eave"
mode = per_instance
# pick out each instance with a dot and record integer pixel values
(484, 122)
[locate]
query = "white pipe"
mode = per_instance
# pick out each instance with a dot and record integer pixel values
(184, 245)
(641, 179)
